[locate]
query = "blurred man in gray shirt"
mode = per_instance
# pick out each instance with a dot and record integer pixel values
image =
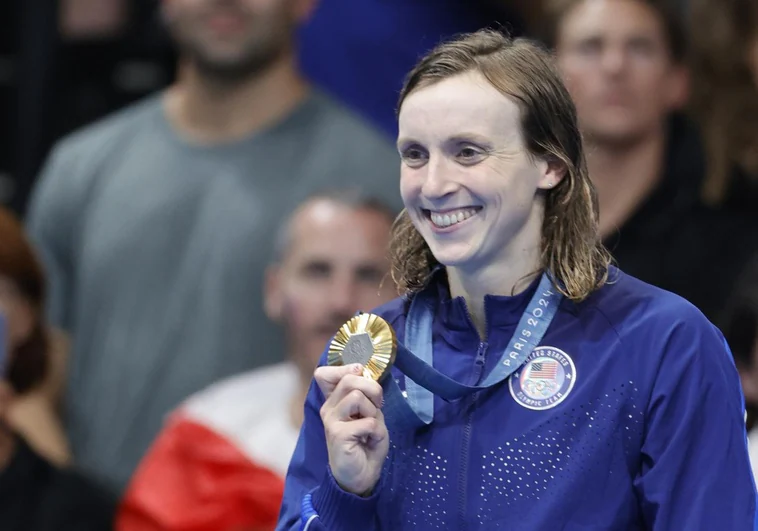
(155, 223)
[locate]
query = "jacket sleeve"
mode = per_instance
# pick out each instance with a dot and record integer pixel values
(312, 499)
(695, 471)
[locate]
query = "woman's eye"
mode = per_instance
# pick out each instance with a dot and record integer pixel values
(414, 156)
(470, 154)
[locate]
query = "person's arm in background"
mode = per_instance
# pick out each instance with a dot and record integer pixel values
(695, 471)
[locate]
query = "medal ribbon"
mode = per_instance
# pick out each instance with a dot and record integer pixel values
(415, 357)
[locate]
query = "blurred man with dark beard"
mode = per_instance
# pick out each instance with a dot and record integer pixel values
(220, 461)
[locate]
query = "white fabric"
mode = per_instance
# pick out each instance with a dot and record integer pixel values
(251, 410)
(752, 442)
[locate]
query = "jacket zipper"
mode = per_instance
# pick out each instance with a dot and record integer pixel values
(466, 442)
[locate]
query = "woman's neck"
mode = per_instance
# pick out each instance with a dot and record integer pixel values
(505, 279)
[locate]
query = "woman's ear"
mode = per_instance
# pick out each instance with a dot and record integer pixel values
(272, 294)
(553, 171)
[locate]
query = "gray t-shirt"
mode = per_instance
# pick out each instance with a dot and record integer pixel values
(156, 251)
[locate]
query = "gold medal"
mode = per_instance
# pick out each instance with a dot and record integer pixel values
(366, 339)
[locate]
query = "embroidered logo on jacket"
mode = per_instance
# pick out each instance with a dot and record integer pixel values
(545, 380)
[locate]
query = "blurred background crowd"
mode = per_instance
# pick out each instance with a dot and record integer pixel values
(197, 193)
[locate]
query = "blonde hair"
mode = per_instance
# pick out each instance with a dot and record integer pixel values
(572, 252)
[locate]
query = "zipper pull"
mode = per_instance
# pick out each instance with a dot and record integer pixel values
(480, 353)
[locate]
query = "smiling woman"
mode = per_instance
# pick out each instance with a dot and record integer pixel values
(486, 172)
(481, 124)
(543, 388)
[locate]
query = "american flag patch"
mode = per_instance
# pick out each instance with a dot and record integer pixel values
(546, 370)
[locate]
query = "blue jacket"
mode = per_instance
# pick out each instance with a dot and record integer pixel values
(650, 433)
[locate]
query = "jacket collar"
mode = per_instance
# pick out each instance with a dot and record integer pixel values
(453, 321)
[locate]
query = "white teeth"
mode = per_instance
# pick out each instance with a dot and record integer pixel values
(451, 218)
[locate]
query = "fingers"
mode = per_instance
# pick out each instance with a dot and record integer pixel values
(336, 381)
(354, 405)
(354, 418)
(327, 377)
(368, 430)
(351, 383)
(354, 397)
(352, 409)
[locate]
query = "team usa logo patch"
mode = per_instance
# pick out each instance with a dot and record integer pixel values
(545, 380)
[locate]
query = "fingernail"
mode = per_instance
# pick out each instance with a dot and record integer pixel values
(357, 369)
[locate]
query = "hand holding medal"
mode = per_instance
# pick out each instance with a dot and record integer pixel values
(360, 356)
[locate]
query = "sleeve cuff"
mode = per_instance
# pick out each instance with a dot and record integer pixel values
(340, 510)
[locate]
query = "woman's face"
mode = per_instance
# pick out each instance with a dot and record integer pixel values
(18, 313)
(467, 179)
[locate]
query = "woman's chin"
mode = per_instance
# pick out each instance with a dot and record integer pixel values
(453, 255)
